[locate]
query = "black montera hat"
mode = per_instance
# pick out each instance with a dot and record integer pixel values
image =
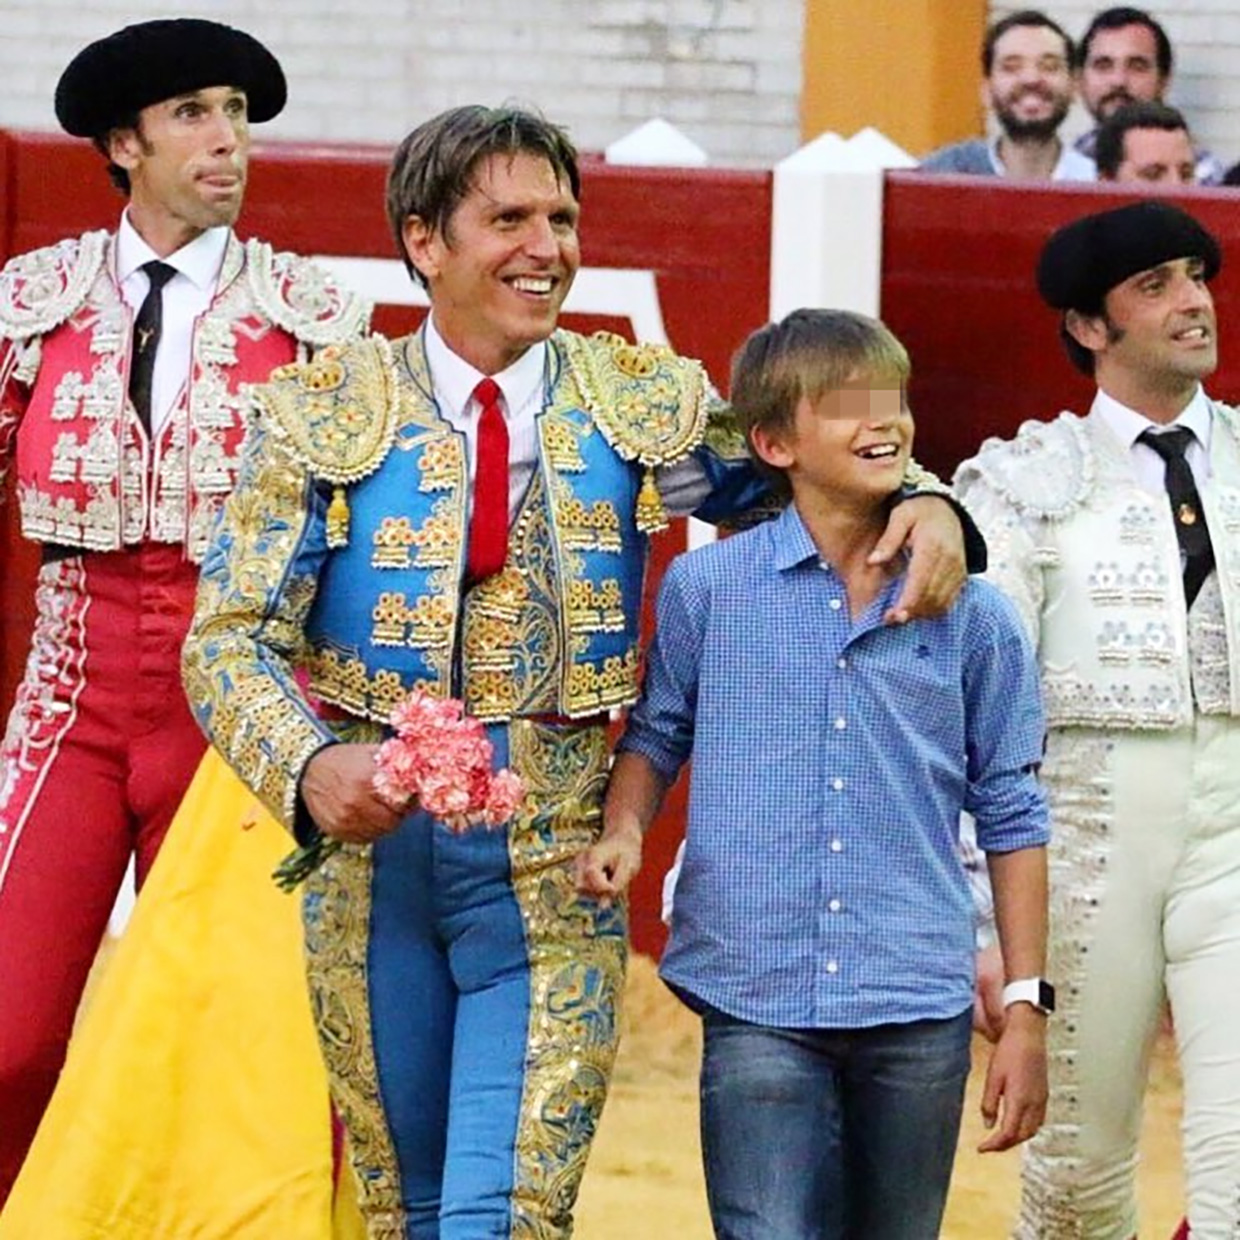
(113, 78)
(1086, 259)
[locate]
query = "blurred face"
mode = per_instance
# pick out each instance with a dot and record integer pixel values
(1030, 82)
(187, 163)
(1120, 67)
(850, 446)
(1158, 334)
(1158, 157)
(499, 273)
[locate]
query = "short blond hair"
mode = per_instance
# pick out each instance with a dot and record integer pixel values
(803, 356)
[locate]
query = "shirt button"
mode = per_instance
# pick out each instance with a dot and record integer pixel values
(832, 966)
(842, 664)
(834, 906)
(838, 785)
(841, 724)
(837, 846)
(835, 604)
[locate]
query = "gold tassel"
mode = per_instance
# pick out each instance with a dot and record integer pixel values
(651, 515)
(338, 519)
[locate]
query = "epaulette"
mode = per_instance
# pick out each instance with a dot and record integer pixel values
(41, 289)
(336, 414)
(649, 403)
(304, 299)
(1047, 471)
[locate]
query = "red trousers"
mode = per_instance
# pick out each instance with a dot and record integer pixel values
(99, 748)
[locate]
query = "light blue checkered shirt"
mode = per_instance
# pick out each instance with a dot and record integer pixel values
(821, 886)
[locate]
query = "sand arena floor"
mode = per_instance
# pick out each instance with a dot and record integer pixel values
(645, 1173)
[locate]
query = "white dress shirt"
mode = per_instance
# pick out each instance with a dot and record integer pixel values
(1127, 425)
(186, 295)
(525, 388)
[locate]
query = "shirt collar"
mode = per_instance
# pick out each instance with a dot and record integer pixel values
(1128, 425)
(1070, 166)
(790, 540)
(199, 260)
(454, 379)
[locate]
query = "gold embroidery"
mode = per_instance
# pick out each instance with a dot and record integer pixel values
(337, 520)
(561, 438)
(442, 464)
(325, 374)
(336, 414)
(649, 404)
(650, 514)
(336, 915)
(343, 681)
(392, 541)
(593, 528)
(577, 959)
(511, 637)
(590, 689)
(592, 610)
(425, 625)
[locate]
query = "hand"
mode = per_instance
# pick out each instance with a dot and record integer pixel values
(929, 527)
(988, 1010)
(338, 790)
(1016, 1077)
(607, 867)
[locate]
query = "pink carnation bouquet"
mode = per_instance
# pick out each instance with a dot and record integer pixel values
(438, 760)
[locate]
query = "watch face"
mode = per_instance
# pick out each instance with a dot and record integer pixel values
(1046, 995)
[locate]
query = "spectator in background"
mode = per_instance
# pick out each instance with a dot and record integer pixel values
(1027, 61)
(1147, 142)
(1125, 57)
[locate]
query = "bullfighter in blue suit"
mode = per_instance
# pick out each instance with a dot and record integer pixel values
(466, 510)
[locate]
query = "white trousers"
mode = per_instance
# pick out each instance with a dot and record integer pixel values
(1145, 904)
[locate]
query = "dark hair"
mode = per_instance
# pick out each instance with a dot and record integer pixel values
(806, 354)
(116, 174)
(1025, 17)
(1080, 357)
(1143, 114)
(433, 169)
(1117, 19)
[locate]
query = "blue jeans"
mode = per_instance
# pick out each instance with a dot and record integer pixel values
(831, 1134)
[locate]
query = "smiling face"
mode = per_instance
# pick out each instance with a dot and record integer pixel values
(187, 162)
(1157, 338)
(499, 271)
(850, 446)
(1030, 82)
(1121, 66)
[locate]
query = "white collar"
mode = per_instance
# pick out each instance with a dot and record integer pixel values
(1128, 425)
(1070, 166)
(199, 260)
(454, 379)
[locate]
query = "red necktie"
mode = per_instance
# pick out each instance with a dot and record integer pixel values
(488, 527)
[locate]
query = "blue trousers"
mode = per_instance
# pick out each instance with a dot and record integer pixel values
(831, 1134)
(467, 1003)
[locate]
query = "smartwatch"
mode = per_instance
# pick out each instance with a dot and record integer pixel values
(1035, 990)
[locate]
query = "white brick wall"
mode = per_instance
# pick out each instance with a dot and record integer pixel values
(1205, 36)
(726, 72)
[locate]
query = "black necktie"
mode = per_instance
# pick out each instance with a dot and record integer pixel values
(146, 329)
(1186, 510)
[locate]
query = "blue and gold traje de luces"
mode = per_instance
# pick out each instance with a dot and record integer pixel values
(557, 629)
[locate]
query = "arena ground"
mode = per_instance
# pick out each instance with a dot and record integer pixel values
(645, 1173)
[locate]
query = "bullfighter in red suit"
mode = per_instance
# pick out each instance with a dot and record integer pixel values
(123, 361)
